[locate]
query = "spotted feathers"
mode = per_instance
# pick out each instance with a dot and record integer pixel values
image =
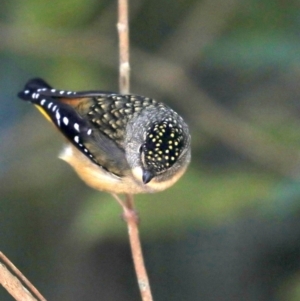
(111, 113)
(164, 144)
(70, 123)
(120, 133)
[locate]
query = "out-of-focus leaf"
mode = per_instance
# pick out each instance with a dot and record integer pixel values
(197, 199)
(67, 13)
(290, 289)
(248, 50)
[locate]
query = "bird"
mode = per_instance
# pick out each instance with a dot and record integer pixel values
(118, 143)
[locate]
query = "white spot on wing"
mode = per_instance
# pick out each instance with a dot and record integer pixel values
(26, 92)
(89, 132)
(76, 127)
(57, 115)
(53, 90)
(43, 102)
(66, 120)
(50, 105)
(61, 92)
(76, 139)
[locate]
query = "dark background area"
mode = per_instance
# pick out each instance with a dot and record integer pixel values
(230, 228)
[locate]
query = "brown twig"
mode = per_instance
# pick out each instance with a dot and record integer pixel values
(21, 277)
(129, 212)
(131, 218)
(14, 286)
(136, 249)
(123, 30)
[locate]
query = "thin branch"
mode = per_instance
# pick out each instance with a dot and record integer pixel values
(21, 277)
(136, 249)
(131, 218)
(123, 30)
(129, 212)
(13, 285)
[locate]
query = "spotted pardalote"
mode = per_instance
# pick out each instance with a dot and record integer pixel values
(116, 143)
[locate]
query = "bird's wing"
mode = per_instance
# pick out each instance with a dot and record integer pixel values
(66, 110)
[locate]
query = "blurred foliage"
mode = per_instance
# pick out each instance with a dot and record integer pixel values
(230, 67)
(171, 213)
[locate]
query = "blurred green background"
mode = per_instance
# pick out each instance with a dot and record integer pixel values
(230, 229)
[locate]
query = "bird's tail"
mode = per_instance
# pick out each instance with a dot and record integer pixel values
(32, 86)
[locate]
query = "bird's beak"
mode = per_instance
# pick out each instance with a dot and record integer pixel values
(147, 176)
